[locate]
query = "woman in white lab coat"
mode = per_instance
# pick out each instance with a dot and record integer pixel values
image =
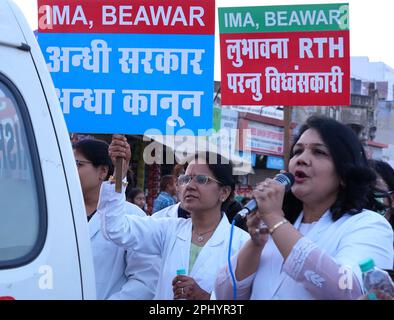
(120, 273)
(198, 245)
(317, 240)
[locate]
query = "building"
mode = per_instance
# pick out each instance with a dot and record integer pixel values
(259, 133)
(382, 76)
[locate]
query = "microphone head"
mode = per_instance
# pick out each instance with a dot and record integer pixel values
(251, 205)
(286, 179)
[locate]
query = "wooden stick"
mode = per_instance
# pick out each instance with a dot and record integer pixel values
(118, 176)
(286, 139)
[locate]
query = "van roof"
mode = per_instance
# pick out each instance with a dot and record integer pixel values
(10, 32)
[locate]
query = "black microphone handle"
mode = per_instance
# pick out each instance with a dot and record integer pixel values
(286, 179)
(247, 209)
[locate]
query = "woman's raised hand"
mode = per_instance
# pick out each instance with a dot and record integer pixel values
(269, 196)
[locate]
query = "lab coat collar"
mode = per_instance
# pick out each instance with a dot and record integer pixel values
(221, 233)
(322, 224)
(185, 231)
(94, 225)
(222, 229)
(216, 238)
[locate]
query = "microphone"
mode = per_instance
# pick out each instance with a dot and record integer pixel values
(286, 179)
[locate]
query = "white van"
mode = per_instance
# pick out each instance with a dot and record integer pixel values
(44, 244)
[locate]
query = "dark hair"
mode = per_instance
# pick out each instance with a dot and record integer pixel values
(178, 169)
(350, 162)
(95, 151)
(384, 170)
(232, 209)
(245, 200)
(222, 170)
(133, 193)
(165, 181)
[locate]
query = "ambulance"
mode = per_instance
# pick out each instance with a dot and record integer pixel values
(44, 241)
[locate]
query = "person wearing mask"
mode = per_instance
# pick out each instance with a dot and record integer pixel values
(198, 245)
(120, 273)
(312, 245)
(232, 210)
(385, 189)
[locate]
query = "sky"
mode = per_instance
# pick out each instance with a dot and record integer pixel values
(371, 29)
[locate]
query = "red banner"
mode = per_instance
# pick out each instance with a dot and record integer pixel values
(286, 68)
(125, 16)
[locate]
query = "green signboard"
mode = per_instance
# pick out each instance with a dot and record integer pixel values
(319, 17)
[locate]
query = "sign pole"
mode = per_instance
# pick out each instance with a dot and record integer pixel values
(118, 175)
(287, 136)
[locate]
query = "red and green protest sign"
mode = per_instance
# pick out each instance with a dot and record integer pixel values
(285, 55)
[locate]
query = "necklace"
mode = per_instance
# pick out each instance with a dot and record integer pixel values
(200, 236)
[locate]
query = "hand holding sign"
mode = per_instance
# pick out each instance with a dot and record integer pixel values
(119, 150)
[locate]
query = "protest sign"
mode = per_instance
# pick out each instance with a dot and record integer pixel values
(129, 66)
(285, 55)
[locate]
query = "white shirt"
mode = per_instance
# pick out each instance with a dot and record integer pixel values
(319, 261)
(168, 212)
(169, 237)
(121, 274)
(304, 228)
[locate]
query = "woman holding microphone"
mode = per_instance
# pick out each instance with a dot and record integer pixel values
(313, 244)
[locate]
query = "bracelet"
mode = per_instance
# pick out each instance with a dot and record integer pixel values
(111, 180)
(277, 225)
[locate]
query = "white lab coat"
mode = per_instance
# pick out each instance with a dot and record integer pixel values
(170, 237)
(167, 212)
(348, 240)
(121, 274)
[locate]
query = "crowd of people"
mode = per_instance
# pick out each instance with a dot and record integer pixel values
(296, 245)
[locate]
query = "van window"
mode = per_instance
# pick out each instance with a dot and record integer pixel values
(22, 202)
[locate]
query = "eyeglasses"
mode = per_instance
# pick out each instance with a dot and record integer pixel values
(79, 163)
(379, 197)
(382, 194)
(387, 210)
(199, 179)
